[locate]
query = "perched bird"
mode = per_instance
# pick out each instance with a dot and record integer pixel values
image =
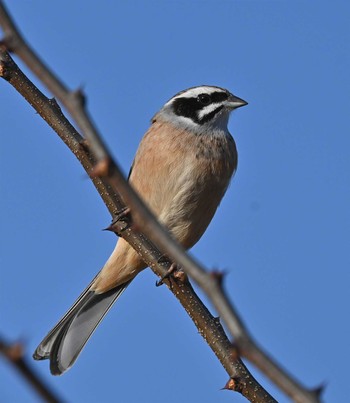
(181, 170)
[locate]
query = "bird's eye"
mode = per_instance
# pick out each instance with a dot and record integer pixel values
(204, 99)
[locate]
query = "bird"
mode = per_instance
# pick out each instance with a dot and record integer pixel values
(181, 170)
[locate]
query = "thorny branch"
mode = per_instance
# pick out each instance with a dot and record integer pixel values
(14, 354)
(116, 193)
(214, 335)
(205, 322)
(51, 112)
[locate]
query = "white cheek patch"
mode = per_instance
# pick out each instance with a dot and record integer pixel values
(207, 109)
(179, 121)
(183, 121)
(220, 128)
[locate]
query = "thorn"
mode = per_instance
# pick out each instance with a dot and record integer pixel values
(101, 169)
(218, 276)
(229, 385)
(120, 216)
(318, 391)
(234, 384)
(79, 96)
(109, 228)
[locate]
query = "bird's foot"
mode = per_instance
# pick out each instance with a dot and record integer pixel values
(173, 268)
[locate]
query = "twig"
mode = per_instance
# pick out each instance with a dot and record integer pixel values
(13, 352)
(74, 102)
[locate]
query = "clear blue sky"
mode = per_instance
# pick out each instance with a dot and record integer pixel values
(282, 231)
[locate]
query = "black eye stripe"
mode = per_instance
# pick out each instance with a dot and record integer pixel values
(189, 107)
(186, 107)
(219, 97)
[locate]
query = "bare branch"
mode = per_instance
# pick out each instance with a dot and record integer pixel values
(14, 355)
(73, 101)
(206, 324)
(108, 181)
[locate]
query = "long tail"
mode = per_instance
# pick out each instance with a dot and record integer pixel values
(66, 340)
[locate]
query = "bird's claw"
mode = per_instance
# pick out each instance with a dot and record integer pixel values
(173, 267)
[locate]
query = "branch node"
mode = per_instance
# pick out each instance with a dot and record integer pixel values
(181, 276)
(102, 168)
(121, 216)
(54, 103)
(235, 384)
(4, 68)
(85, 145)
(10, 42)
(15, 351)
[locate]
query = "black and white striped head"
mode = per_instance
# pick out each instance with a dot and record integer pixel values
(201, 109)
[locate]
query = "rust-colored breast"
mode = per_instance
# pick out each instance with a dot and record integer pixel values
(183, 176)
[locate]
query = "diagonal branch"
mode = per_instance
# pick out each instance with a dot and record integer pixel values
(13, 352)
(207, 325)
(117, 193)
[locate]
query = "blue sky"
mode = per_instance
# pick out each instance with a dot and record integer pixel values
(282, 231)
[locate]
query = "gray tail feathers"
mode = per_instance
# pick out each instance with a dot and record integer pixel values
(66, 340)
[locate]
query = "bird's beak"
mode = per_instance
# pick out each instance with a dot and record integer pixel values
(234, 102)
